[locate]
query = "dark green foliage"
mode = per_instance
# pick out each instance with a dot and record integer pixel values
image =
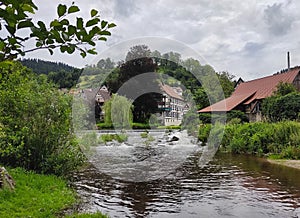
(204, 131)
(237, 114)
(59, 33)
(36, 122)
(61, 74)
(277, 108)
(141, 126)
(45, 67)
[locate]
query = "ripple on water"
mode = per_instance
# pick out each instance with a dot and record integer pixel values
(230, 186)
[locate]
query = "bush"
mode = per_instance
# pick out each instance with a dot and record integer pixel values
(110, 137)
(36, 122)
(203, 133)
(276, 139)
(140, 126)
(144, 135)
(105, 126)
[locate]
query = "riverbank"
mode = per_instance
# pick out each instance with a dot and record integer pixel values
(289, 163)
(38, 195)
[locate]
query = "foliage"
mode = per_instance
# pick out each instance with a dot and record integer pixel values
(191, 122)
(204, 131)
(118, 111)
(280, 139)
(105, 126)
(61, 74)
(144, 135)
(59, 33)
(89, 139)
(35, 195)
(110, 137)
(233, 114)
(141, 126)
(36, 121)
(286, 107)
(284, 89)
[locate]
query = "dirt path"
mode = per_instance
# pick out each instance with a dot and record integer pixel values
(288, 163)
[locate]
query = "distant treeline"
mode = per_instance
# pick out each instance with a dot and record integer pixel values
(65, 76)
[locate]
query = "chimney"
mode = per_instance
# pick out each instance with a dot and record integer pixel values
(288, 60)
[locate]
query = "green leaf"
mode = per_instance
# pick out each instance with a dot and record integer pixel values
(25, 24)
(79, 23)
(38, 44)
(61, 10)
(27, 7)
(94, 31)
(102, 39)
(11, 30)
(71, 49)
(55, 23)
(63, 48)
(103, 24)
(42, 25)
(92, 51)
(92, 43)
(2, 45)
(73, 9)
(65, 22)
(71, 30)
(111, 25)
(105, 33)
(94, 12)
(83, 54)
(92, 22)
(50, 51)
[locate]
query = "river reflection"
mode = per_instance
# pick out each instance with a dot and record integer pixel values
(230, 186)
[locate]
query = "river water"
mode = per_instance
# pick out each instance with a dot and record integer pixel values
(174, 184)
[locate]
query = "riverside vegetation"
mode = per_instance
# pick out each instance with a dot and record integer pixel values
(275, 140)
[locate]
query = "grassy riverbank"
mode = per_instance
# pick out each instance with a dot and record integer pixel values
(275, 140)
(37, 195)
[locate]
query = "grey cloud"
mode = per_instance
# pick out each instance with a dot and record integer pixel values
(278, 22)
(253, 48)
(125, 7)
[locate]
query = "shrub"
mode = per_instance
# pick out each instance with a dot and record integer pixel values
(105, 126)
(36, 122)
(144, 135)
(110, 137)
(204, 131)
(276, 139)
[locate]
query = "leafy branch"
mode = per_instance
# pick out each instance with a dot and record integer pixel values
(59, 33)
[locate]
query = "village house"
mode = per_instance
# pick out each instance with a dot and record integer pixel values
(97, 97)
(248, 96)
(173, 106)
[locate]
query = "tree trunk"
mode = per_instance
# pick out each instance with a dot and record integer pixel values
(6, 181)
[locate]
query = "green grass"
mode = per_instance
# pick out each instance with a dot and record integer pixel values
(37, 195)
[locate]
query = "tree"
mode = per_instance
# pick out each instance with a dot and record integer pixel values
(118, 111)
(284, 104)
(59, 33)
(36, 121)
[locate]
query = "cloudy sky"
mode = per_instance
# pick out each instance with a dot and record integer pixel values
(246, 38)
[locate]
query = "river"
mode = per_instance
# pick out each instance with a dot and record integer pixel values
(174, 184)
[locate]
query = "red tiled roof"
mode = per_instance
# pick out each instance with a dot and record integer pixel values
(255, 89)
(170, 91)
